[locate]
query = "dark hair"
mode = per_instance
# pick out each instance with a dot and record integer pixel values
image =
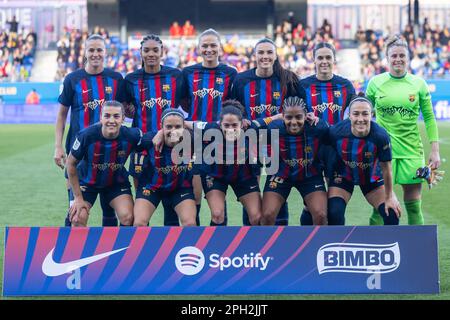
(233, 107)
(327, 45)
(171, 112)
(113, 103)
(288, 79)
(92, 37)
(360, 97)
(294, 101)
(395, 41)
(147, 38)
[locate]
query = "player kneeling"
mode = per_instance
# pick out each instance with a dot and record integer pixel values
(96, 166)
(230, 163)
(168, 175)
(299, 164)
(364, 159)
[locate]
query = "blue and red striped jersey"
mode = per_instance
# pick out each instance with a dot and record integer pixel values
(261, 97)
(151, 94)
(85, 94)
(298, 154)
(225, 160)
(359, 157)
(328, 99)
(162, 172)
(102, 160)
(205, 89)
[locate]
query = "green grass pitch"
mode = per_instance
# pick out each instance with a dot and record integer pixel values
(33, 193)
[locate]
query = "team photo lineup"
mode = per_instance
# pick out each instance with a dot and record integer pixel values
(196, 132)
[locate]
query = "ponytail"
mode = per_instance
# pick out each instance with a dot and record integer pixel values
(288, 79)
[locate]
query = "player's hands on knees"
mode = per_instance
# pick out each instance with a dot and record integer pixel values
(59, 157)
(434, 160)
(312, 119)
(78, 211)
(394, 204)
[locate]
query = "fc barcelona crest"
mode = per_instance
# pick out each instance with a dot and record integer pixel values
(276, 95)
(219, 80)
(308, 149)
(412, 97)
(108, 90)
(146, 192)
(337, 93)
(166, 87)
(368, 154)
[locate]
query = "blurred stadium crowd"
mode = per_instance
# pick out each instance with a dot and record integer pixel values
(17, 50)
(430, 56)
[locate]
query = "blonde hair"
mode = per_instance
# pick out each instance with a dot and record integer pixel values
(209, 32)
(395, 41)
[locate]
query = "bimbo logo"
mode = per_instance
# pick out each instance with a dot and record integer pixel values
(189, 261)
(358, 258)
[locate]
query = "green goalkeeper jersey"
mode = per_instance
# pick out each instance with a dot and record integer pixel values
(397, 102)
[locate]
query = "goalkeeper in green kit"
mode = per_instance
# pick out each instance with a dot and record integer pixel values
(398, 97)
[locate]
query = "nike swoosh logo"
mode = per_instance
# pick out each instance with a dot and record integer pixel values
(343, 151)
(53, 269)
(184, 195)
(381, 97)
(314, 94)
(122, 190)
(253, 95)
(98, 154)
(253, 187)
(197, 80)
(318, 186)
(85, 91)
(143, 89)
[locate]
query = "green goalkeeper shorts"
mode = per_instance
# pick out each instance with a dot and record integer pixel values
(404, 170)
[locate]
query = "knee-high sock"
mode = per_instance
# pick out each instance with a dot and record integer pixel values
(170, 217)
(375, 218)
(414, 210)
(109, 218)
(283, 216)
(391, 219)
(67, 222)
(336, 211)
(197, 216)
(306, 218)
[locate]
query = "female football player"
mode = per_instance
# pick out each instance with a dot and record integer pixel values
(398, 98)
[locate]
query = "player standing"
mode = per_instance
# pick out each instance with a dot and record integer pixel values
(398, 98)
(84, 93)
(207, 84)
(328, 94)
(262, 90)
(148, 92)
